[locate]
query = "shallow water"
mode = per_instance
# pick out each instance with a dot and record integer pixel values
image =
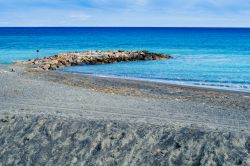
(213, 57)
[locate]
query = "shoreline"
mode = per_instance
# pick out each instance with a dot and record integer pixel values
(183, 84)
(96, 57)
(147, 89)
(114, 84)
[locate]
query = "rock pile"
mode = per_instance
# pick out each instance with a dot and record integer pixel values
(92, 58)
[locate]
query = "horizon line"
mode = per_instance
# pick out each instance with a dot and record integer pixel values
(117, 27)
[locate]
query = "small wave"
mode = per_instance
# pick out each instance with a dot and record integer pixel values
(211, 85)
(224, 85)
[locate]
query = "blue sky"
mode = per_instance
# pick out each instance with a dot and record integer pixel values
(166, 13)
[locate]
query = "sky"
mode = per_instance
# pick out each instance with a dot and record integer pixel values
(125, 13)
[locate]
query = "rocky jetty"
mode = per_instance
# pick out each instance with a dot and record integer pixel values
(92, 58)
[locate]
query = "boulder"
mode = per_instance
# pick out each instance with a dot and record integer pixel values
(92, 57)
(45, 67)
(18, 62)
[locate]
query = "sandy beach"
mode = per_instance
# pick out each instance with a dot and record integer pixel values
(52, 118)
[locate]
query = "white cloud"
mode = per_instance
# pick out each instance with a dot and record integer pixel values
(4, 22)
(79, 16)
(124, 12)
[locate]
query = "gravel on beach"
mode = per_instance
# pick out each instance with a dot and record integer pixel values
(52, 118)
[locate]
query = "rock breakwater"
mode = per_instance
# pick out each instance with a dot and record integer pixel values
(92, 58)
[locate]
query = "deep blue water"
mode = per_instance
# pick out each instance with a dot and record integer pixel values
(214, 57)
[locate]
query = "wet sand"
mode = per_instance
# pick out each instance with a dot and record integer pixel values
(59, 118)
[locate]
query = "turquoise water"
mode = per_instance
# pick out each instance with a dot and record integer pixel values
(211, 57)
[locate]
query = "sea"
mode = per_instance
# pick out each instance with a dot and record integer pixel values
(216, 58)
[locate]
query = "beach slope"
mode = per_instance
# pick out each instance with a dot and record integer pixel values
(50, 118)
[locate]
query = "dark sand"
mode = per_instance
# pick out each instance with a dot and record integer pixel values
(56, 118)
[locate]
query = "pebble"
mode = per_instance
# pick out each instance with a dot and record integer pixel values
(3, 71)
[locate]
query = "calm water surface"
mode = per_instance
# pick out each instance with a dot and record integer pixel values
(210, 57)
